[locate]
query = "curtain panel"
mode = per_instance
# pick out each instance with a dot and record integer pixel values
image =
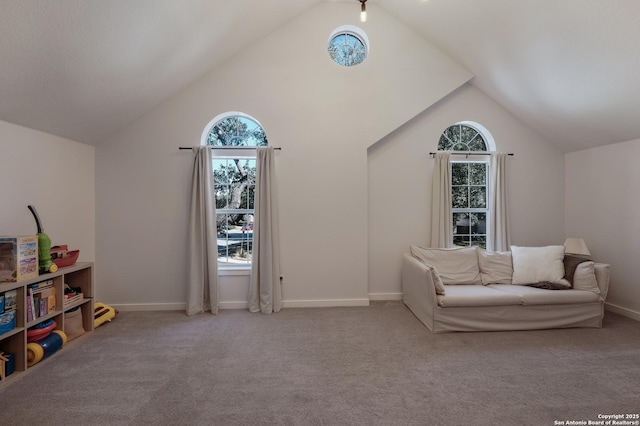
(441, 213)
(202, 252)
(265, 292)
(499, 219)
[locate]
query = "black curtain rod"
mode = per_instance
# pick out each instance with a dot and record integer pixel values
(468, 153)
(227, 147)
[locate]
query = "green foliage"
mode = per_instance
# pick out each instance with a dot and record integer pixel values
(237, 131)
(460, 137)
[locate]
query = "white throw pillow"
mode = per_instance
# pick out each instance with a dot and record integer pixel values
(455, 266)
(585, 278)
(495, 267)
(538, 264)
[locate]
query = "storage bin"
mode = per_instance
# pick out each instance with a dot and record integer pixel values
(7, 321)
(73, 323)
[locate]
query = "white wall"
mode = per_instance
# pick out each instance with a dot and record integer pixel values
(602, 207)
(400, 172)
(55, 175)
(323, 116)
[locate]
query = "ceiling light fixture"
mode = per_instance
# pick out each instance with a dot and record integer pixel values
(363, 11)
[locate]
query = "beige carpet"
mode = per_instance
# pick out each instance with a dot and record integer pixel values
(372, 365)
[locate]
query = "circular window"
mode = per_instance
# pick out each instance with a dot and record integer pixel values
(348, 45)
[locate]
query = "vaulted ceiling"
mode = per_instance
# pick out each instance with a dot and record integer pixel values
(83, 69)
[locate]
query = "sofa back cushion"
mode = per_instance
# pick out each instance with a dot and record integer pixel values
(455, 266)
(495, 267)
(538, 264)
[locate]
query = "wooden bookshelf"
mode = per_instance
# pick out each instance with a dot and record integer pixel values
(15, 341)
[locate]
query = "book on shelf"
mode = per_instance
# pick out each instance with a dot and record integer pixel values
(41, 299)
(51, 303)
(42, 286)
(30, 307)
(10, 299)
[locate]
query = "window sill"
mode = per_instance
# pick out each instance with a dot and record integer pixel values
(239, 270)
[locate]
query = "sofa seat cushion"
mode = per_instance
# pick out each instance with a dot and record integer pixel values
(539, 296)
(476, 295)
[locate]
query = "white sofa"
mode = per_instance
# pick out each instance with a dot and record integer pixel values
(448, 291)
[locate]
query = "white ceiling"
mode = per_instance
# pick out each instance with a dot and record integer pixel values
(83, 69)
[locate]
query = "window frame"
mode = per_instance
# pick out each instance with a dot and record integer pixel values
(471, 156)
(225, 265)
(471, 210)
(232, 152)
(349, 31)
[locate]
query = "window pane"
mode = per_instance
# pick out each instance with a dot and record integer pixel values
(478, 197)
(468, 134)
(250, 169)
(478, 173)
(347, 49)
(222, 196)
(444, 144)
(478, 223)
(477, 144)
(237, 130)
(460, 147)
(220, 174)
(461, 241)
(453, 134)
(459, 173)
(248, 201)
(460, 137)
(479, 240)
(460, 197)
(461, 223)
(235, 239)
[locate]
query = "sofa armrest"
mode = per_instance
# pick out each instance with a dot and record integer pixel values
(602, 276)
(419, 292)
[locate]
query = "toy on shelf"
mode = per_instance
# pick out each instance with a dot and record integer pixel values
(47, 346)
(18, 258)
(62, 256)
(44, 246)
(40, 330)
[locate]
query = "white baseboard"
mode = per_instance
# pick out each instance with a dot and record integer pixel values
(385, 296)
(622, 311)
(233, 305)
(324, 303)
(150, 307)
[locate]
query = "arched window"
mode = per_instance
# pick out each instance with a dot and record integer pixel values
(235, 136)
(234, 129)
(469, 181)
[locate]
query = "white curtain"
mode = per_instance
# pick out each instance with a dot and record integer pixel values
(441, 216)
(499, 220)
(202, 276)
(265, 292)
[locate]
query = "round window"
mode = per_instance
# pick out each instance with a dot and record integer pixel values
(348, 46)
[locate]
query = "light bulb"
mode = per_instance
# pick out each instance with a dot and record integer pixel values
(363, 12)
